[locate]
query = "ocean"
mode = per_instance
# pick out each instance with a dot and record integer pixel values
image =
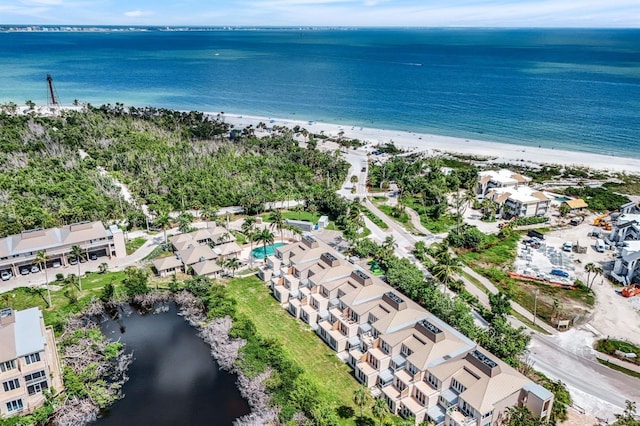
(568, 89)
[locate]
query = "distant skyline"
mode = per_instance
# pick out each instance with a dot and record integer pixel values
(413, 13)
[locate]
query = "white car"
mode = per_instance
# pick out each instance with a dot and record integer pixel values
(568, 246)
(5, 275)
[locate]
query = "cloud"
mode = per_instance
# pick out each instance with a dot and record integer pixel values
(138, 13)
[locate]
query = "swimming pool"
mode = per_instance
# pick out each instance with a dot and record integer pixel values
(258, 252)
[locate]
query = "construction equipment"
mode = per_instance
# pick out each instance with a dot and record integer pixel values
(600, 219)
(631, 290)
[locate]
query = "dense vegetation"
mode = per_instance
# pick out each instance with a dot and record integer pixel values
(599, 199)
(169, 160)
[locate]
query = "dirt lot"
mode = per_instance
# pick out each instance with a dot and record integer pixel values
(612, 315)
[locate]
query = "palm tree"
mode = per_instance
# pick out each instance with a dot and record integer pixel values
(233, 264)
(597, 271)
(163, 221)
(265, 237)
(361, 397)
(380, 409)
(277, 222)
(77, 254)
(184, 221)
(42, 257)
(354, 179)
(209, 213)
(446, 268)
(590, 268)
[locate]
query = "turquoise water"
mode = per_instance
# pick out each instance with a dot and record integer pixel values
(573, 89)
(258, 252)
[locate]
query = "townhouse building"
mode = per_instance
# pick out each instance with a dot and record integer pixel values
(18, 253)
(29, 363)
(519, 202)
(199, 251)
(420, 365)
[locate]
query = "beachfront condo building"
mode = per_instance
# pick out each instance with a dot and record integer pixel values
(503, 178)
(29, 363)
(19, 253)
(522, 201)
(420, 365)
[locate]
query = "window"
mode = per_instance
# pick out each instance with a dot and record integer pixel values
(34, 376)
(457, 386)
(10, 385)
(484, 416)
(37, 387)
(545, 406)
(421, 397)
(412, 369)
(400, 385)
(385, 347)
(405, 350)
(466, 408)
(8, 365)
(373, 361)
(433, 381)
(30, 359)
(15, 405)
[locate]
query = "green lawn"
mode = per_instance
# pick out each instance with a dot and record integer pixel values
(92, 284)
(293, 215)
(619, 368)
(333, 377)
(135, 244)
(375, 219)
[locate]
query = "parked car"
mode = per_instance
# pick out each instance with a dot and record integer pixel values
(35, 269)
(5, 275)
(56, 264)
(25, 270)
(93, 256)
(73, 261)
(560, 273)
(567, 246)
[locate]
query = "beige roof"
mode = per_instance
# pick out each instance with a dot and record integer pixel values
(578, 203)
(397, 320)
(196, 254)
(329, 274)
(228, 248)
(488, 391)
(365, 295)
(206, 268)
(306, 255)
(42, 239)
(166, 263)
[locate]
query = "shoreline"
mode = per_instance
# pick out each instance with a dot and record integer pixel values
(431, 144)
(495, 152)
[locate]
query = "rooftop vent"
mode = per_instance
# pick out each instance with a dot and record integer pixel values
(429, 329)
(330, 259)
(484, 363)
(394, 300)
(361, 277)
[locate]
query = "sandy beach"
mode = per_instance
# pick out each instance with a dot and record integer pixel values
(434, 144)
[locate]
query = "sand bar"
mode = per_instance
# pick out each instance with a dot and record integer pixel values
(501, 152)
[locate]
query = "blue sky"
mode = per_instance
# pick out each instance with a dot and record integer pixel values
(422, 13)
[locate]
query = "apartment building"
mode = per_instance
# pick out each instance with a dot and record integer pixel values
(18, 253)
(522, 201)
(29, 362)
(420, 365)
(503, 178)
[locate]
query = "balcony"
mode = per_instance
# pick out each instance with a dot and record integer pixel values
(458, 418)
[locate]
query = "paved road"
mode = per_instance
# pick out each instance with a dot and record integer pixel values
(599, 390)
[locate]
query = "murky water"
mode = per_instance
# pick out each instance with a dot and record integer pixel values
(173, 380)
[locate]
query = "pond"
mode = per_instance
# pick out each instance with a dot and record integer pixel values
(173, 379)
